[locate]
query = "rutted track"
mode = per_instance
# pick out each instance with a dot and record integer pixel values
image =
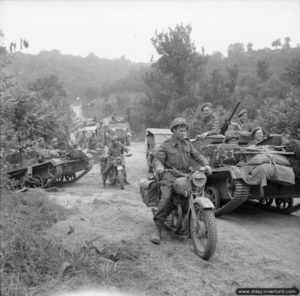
(256, 248)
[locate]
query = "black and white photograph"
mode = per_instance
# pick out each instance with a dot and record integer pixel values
(149, 148)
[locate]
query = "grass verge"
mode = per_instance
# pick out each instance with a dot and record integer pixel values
(33, 264)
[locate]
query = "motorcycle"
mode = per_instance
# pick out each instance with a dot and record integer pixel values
(117, 172)
(192, 213)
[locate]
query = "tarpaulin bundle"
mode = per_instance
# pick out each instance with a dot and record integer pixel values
(263, 167)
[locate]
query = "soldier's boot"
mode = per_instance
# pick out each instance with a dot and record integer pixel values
(156, 236)
(125, 178)
(104, 181)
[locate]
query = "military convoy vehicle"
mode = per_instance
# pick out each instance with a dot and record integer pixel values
(153, 138)
(266, 173)
(30, 168)
(116, 126)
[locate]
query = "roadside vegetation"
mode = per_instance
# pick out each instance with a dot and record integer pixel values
(31, 263)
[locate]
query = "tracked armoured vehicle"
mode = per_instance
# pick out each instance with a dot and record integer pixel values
(30, 168)
(267, 173)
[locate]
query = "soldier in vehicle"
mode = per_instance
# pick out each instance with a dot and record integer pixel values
(41, 143)
(231, 138)
(115, 149)
(175, 152)
(244, 127)
(210, 123)
(257, 136)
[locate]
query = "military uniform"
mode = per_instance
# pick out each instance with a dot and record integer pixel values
(173, 154)
(209, 124)
(114, 150)
(245, 127)
(92, 142)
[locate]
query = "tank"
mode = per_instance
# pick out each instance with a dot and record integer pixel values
(44, 168)
(266, 173)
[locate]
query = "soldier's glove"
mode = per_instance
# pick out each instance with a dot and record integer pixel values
(208, 170)
(159, 172)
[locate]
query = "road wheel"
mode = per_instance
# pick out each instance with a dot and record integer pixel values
(112, 177)
(284, 204)
(204, 235)
(37, 182)
(213, 194)
(266, 201)
(121, 179)
(24, 182)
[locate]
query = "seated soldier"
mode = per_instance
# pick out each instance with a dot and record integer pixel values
(257, 136)
(231, 139)
(210, 122)
(244, 126)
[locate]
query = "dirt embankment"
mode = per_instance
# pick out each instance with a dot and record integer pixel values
(255, 248)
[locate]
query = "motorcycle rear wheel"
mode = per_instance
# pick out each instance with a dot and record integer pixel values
(121, 179)
(204, 236)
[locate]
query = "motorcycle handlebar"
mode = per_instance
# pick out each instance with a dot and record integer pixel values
(201, 169)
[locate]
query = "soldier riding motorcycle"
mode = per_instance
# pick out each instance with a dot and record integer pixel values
(115, 169)
(181, 195)
(192, 214)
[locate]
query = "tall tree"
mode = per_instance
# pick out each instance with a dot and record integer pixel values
(176, 79)
(292, 73)
(250, 47)
(262, 70)
(287, 41)
(276, 43)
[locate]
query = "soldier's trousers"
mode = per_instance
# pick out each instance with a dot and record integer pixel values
(109, 166)
(165, 203)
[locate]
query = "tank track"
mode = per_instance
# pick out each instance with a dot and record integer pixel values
(274, 209)
(240, 195)
(71, 178)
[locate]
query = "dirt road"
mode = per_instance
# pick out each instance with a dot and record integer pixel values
(255, 248)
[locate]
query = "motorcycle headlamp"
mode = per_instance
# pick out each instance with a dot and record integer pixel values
(199, 179)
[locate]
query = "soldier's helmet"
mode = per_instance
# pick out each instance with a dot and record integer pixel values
(231, 137)
(244, 111)
(178, 121)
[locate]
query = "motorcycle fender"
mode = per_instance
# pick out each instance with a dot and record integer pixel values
(205, 202)
(120, 168)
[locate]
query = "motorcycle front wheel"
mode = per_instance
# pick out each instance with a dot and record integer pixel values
(121, 179)
(204, 236)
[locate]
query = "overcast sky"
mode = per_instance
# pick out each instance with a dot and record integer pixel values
(111, 29)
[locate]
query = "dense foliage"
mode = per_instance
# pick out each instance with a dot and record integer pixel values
(266, 81)
(39, 109)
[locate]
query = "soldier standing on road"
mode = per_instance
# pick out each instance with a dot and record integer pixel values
(175, 152)
(92, 142)
(83, 141)
(115, 149)
(210, 122)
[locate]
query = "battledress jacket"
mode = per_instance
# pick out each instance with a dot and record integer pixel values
(117, 150)
(177, 154)
(210, 125)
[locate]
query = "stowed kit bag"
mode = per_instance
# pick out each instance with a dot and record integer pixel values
(149, 192)
(78, 154)
(261, 168)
